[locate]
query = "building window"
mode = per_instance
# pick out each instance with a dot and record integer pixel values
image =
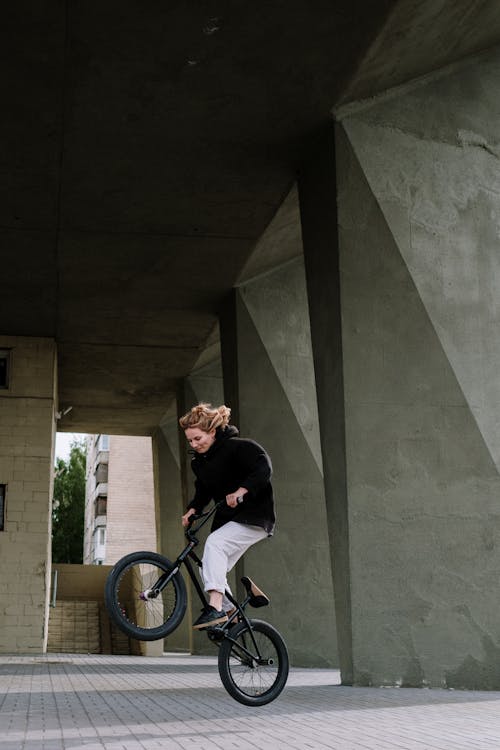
(4, 368)
(102, 537)
(103, 443)
(2, 506)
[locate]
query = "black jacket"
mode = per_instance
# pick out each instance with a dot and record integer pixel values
(229, 463)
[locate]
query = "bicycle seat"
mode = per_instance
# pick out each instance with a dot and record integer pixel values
(257, 597)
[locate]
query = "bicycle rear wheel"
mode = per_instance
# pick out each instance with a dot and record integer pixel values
(136, 601)
(253, 663)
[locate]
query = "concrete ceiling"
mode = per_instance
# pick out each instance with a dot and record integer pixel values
(146, 147)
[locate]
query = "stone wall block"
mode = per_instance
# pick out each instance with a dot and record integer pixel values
(26, 450)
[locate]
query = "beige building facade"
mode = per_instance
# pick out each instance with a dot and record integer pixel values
(120, 504)
(27, 433)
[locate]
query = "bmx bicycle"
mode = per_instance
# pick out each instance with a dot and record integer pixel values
(146, 597)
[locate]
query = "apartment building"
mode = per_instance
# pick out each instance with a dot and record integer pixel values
(120, 506)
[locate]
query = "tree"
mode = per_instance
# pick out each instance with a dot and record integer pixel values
(68, 506)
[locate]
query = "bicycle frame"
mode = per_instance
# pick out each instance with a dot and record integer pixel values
(221, 631)
(253, 659)
(187, 552)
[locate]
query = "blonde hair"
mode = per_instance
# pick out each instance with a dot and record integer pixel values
(206, 417)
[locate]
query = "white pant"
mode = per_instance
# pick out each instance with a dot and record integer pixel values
(223, 549)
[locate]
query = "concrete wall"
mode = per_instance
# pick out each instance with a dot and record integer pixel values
(86, 583)
(81, 582)
(26, 459)
(418, 186)
(269, 377)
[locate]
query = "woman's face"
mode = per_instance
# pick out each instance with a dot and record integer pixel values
(199, 440)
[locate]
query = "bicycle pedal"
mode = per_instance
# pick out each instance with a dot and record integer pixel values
(216, 633)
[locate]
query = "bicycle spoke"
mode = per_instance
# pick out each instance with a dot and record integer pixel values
(134, 589)
(253, 665)
(135, 602)
(252, 677)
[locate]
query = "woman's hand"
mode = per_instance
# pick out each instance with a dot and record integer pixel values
(236, 497)
(187, 516)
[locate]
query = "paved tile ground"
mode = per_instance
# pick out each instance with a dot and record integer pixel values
(177, 702)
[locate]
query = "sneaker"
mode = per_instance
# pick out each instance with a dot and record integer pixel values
(209, 617)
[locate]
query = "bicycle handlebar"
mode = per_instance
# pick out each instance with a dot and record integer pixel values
(196, 516)
(205, 517)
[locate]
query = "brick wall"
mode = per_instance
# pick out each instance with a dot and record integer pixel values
(130, 507)
(26, 449)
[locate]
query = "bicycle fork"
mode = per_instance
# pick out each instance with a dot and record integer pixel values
(247, 657)
(154, 591)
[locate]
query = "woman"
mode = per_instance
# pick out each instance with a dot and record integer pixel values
(236, 471)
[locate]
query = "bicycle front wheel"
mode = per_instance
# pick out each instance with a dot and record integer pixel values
(141, 597)
(253, 663)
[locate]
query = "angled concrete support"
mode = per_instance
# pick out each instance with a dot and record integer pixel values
(269, 383)
(317, 196)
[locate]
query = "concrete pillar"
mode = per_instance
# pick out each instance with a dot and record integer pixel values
(317, 196)
(170, 505)
(26, 461)
(174, 488)
(415, 269)
(203, 384)
(269, 383)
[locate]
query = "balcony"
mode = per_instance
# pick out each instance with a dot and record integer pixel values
(101, 505)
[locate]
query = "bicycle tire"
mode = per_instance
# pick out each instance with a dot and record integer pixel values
(246, 681)
(146, 619)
